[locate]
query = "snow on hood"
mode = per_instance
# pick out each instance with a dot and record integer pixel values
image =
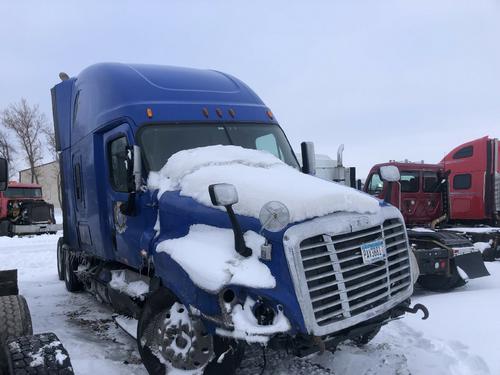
(259, 177)
(208, 256)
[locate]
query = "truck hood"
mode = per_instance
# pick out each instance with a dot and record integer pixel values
(259, 177)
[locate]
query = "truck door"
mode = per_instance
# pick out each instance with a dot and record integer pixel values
(470, 180)
(127, 231)
(412, 202)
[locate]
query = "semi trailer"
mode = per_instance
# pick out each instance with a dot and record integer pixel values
(22, 352)
(186, 210)
(450, 209)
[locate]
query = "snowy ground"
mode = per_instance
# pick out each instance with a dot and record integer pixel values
(460, 337)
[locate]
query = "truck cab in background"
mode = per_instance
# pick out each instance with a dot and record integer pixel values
(23, 211)
(448, 208)
(178, 182)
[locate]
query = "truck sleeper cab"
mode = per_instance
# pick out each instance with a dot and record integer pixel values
(142, 148)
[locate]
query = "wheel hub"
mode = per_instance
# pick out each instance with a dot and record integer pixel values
(182, 339)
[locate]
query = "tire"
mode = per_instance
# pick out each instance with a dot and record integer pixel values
(489, 255)
(15, 318)
(60, 259)
(70, 278)
(366, 338)
(437, 283)
(163, 300)
(39, 354)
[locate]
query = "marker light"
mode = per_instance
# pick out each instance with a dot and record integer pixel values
(205, 112)
(219, 112)
(149, 112)
(232, 113)
(270, 114)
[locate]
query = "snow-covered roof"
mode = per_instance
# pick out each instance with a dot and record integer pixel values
(259, 177)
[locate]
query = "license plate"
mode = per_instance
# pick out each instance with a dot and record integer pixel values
(373, 251)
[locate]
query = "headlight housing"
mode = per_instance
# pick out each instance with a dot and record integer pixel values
(415, 270)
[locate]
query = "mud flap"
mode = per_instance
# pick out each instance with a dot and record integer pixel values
(472, 264)
(8, 283)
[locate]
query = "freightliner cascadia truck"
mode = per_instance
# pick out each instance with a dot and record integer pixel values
(185, 209)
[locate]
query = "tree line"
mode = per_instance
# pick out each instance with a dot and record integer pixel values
(25, 133)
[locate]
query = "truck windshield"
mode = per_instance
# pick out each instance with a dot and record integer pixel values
(159, 142)
(15, 192)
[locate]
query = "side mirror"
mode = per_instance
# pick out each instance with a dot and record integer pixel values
(134, 177)
(226, 195)
(4, 174)
(223, 194)
(134, 168)
(308, 158)
(390, 173)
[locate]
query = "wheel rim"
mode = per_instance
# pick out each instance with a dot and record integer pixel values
(180, 340)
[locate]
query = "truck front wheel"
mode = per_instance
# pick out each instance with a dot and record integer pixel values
(170, 339)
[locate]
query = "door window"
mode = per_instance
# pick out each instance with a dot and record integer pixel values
(465, 152)
(376, 184)
(410, 181)
(118, 162)
(462, 181)
(431, 182)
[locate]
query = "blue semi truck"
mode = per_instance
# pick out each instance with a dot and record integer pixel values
(186, 209)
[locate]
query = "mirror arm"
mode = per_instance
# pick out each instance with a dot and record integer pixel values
(128, 208)
(239, 241)
(388, 192)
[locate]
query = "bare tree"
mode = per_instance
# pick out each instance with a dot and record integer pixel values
(27, 123)
(7, 152)
(51, 143)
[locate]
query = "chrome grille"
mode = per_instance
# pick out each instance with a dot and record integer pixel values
(340, 285)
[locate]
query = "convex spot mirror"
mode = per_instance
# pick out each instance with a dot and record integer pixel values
(223, 194)
(390, 173)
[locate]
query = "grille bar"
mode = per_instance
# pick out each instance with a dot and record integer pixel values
(340, 284)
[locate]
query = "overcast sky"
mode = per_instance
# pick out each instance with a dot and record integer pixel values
(389, 79)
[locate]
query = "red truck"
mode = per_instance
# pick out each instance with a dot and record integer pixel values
(447, 207)
(23, 211)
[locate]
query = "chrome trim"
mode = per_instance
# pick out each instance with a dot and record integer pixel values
(37, 228)
(335, 225)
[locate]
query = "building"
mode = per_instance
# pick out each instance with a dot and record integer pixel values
(48, 177)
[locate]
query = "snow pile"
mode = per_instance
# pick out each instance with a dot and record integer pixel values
(133, 289)
(481, 246)
(208, 256)
(247, 328)
(38, 358)
(421, 230)
(259, 177)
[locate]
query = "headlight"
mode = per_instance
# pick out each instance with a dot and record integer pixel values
(274, 216)
(415, 271)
